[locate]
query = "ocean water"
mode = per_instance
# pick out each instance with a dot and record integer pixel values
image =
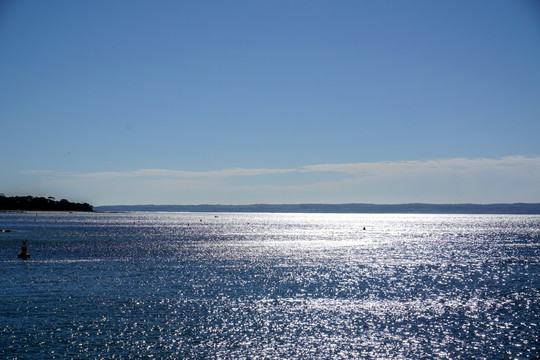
(269, 286)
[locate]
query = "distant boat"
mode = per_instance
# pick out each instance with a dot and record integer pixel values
(24, 252)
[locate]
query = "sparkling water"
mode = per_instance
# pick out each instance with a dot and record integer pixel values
(269, 286)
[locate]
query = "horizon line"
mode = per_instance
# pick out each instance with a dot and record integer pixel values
(332, 204)
(346, 208)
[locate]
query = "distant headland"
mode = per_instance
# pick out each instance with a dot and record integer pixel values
(32, 203)
(417, 208)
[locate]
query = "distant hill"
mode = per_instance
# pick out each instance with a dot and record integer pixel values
(517, 208)
(31, 203)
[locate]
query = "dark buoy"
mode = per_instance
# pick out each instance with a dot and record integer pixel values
(364, 228)
(24, 252)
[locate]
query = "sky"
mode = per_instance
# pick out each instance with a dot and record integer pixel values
(270, 101)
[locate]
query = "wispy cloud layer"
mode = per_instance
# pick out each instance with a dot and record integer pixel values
(170, 173)
(362, 169)
(455, 165)
(508, 179)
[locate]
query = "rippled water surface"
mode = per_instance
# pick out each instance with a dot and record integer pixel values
(265, 286)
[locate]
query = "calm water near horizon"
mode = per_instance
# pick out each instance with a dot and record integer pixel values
(269, 286)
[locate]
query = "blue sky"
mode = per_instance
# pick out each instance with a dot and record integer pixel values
(239, 102)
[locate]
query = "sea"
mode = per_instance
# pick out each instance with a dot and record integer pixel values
(163, 285)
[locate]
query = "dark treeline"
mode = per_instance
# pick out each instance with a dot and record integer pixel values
(31, 203)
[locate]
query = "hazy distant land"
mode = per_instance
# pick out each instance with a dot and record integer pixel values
(417, 208)
(31, 203)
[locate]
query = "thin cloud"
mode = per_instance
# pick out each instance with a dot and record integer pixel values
(507, 179)
(170, 173)
(453, 165)
(530, 165)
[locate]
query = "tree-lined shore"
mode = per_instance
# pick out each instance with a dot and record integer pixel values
(32, 203)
